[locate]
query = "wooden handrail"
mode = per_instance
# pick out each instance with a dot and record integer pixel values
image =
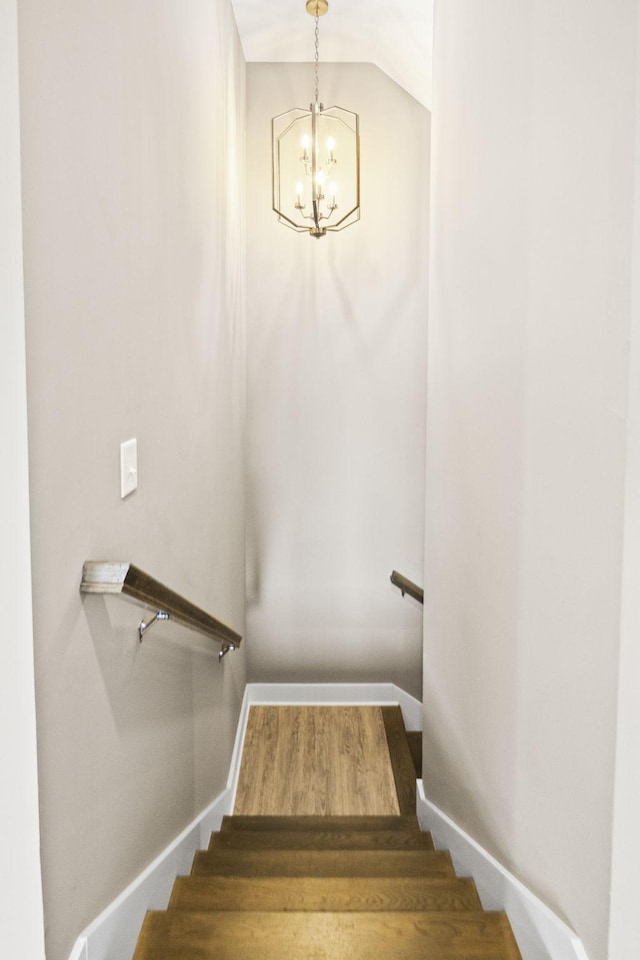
(407, 586)
(108, 576)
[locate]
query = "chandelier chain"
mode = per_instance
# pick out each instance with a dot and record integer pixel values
(317, 70)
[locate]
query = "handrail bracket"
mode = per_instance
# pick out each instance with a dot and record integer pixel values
(143, 627)
(226, 648)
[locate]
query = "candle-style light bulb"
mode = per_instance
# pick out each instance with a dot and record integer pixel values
(319, 185)
(331, 144)
(299, 189)
(333, 187)
(305, 146)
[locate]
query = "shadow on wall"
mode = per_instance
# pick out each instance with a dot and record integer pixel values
(139, 678)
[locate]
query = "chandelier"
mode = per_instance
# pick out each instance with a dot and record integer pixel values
(316, 160)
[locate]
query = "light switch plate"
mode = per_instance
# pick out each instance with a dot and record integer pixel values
(128, 467)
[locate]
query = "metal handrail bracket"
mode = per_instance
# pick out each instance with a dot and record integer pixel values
(109, 576)
(144, 626)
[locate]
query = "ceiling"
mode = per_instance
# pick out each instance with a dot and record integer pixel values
(395, 35)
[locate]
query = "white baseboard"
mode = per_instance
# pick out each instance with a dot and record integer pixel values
(373, 694)
(114, 933)
(79, 951)
(540, 934)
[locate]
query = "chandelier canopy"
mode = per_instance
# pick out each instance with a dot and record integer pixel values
(316, 160)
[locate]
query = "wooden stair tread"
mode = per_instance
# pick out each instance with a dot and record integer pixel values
(324, 893)
(318, 822)
(323, 863)
(321, 840)
(402, 765)
(229, 935)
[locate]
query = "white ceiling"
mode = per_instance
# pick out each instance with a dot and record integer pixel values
(396, 35)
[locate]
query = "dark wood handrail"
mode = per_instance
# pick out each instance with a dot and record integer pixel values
(407, 586)
(108, 576)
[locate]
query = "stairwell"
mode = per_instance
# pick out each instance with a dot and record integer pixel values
(315, 887)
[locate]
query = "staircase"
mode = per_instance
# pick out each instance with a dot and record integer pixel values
(321, 887)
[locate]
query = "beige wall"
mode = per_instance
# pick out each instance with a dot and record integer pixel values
(532, 198)
(623, 928)
(21, 919)
(336, 393)
(132, 139)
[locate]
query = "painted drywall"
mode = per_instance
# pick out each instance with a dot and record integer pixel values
(336, 368)
(21, 914)
(132, 163)
(396, 37)
(624, 936)
(533, 138)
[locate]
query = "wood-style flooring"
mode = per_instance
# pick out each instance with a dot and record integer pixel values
(324, 858)
(308, 760)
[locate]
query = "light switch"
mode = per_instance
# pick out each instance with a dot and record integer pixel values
(128, 467)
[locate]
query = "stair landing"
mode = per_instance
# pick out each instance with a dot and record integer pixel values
(316, 760)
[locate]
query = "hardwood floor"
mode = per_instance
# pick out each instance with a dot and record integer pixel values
(317, 864)
(300, 760)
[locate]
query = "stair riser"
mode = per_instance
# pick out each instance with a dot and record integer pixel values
(326, 840)
(320, 824)
(323, 863)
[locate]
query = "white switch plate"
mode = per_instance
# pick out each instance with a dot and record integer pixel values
(128, 467)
